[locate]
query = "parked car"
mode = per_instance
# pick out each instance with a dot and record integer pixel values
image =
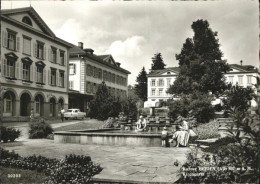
(74, 114)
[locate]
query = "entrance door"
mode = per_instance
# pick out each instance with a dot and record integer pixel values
(25, 105)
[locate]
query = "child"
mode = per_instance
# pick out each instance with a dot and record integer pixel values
(164, 137)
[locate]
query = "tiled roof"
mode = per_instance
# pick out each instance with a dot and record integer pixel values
(244, 68)
(103, 56)
(159, 72)
(76, 51)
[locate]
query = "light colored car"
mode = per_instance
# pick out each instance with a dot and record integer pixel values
(74, 114)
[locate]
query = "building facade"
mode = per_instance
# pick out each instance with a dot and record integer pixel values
(159, 81)
(87, 71)
(34, 69)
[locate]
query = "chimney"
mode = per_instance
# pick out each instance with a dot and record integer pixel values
(241, 62)
(118, 64)
(80, 45)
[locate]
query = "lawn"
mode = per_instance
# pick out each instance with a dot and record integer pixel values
(87, 124)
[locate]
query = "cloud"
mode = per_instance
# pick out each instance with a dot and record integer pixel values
(70, 31)
(130, 47)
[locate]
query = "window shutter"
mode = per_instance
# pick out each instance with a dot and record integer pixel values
(44, 76)
(49, 54)
(4, 37)
(35, 49)
(74, 66)
(65, 58)
(3, 67)
(49, 77)
(17, 70)
(57, 78)
(58, 56)
(35, 74)
(21, 71)
(44, 52)
(17, 43)
(31, 72)
(65, 80)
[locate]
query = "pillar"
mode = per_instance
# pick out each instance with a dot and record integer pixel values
(16, 108)
(46, 109)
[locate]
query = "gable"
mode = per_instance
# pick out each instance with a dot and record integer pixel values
(234, 70)
(19, 17)
(35, 20)
(169, 73)
(109, 59)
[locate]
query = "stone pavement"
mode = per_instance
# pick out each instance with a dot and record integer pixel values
(136, 164)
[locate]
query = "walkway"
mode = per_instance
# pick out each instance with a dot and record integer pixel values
(140, 164)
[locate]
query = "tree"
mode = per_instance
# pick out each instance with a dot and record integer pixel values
(201, 74)
(239, 98)
(201, 67)
(158, 63)
(141, 86)
(101, 105)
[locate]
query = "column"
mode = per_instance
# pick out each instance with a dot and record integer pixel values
(16, 108)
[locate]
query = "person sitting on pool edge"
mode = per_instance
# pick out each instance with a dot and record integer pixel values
(141, 124)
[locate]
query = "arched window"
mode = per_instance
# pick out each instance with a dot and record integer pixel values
(7, 103)
(27, 20)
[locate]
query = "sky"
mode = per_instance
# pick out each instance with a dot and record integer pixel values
(133, 31)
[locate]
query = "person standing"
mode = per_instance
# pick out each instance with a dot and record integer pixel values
(32, 115)
(164, 137)
(62, 111)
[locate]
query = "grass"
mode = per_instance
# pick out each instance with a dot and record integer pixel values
(87, 124)
(18, 176)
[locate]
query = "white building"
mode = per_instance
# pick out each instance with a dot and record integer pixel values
(158, 81)
(34, 69)
(87, 71)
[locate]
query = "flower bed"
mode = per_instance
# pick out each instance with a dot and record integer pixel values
(73, 169)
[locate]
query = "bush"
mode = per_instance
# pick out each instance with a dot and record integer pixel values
(73, 169)
(4, 154)
(9, 133)
(39, 129)
(218, 144)
(207, 131)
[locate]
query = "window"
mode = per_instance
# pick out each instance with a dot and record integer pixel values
(27, 45)
(37, 105)
(62, 58)
(39, 48)
(7, 103)
(104, 75)
(249, 79)
(91, 71)
(53, 77)
(231, 78)
(61, 79)
(27, 20)
(26, 71)
(240, 80)
(168, 73)
(153, 82)
(71, 84)
(10, 69)
(160, 92)
(39, 74)
(72, 69)
(11, 41)
(168, 82)
(161, 82)
(100, 74)
(53, 55)
(153, 92)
